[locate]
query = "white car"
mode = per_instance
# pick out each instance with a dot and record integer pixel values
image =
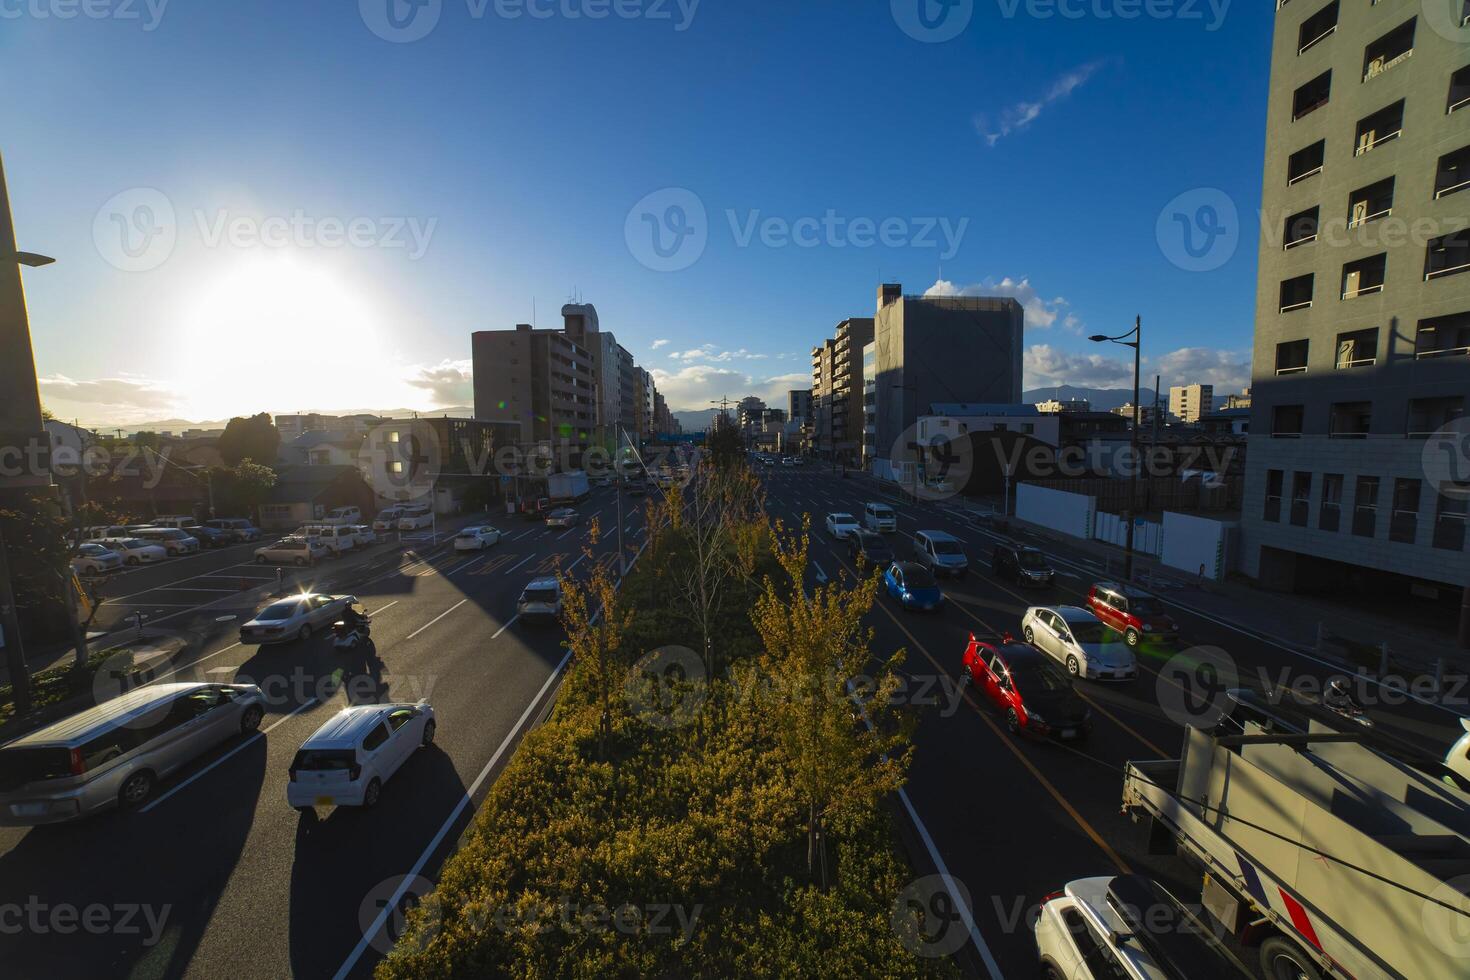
(1127, 928)
(342, 515)
(295, 618)
(364, 535)
(563, 517)
(879, 517)
(414, 519)
(93, 559)
(1080, 641)
(135, 551)
(841, 525)
(476, 538)
(171, 539)
(542, 598)
(291, 551)
(347, 760)
(387, 519)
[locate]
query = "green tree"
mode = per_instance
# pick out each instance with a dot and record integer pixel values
(252, 438)
(595, 623)
(242, 488)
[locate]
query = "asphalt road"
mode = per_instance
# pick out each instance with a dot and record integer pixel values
(217, 876)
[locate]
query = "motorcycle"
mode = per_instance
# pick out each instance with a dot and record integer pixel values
(349, 637)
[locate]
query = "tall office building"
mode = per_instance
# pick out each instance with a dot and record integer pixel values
(1190, 403)
(799, 403)
(1362, 345)
(543, 379)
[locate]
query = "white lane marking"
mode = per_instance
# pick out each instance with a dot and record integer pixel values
(392, 904)
(821, 575)
(524, 533)
(507, 626)
(574, 564)
(519, 564)
(569, 530)
(465, 568)
(374, 612)
(437, 618)
(237, 749)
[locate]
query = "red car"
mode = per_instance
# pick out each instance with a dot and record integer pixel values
(1027, 686)
(1134, 613)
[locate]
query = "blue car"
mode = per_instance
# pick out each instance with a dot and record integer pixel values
(912, 585)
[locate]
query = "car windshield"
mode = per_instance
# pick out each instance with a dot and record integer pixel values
(1092, 632)
(882, 512)
(918, 577)
(29, 765)
(842, 519)
(540, 595)
(1040, 675)
(134, 543)
(942, 547)
(1145, 606)
(93, 549)
(277, 610)
(1032, 560)
(324, 760)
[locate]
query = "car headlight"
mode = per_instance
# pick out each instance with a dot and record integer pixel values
(1035, 716)
(1148, 627)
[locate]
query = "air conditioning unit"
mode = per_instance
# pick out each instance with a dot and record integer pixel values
(1360, 212)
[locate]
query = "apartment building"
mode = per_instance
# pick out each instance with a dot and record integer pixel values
(1362, 343)
(799, 403)
(939, 349)
(851, 336)
(821, 416)
(543, 379)
(870, 402)
(1190, 403)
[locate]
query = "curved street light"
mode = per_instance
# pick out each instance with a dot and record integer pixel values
(1137, 344)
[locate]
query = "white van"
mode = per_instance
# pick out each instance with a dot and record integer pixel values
(387, 519)
(343, 515)
(879, 517)
(414, 518)
(336, 538)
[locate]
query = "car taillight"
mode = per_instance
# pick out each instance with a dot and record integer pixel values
(78, 764)
(354, 772)
(292, 771)
(1051, 897)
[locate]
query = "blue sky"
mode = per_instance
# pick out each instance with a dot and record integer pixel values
(317, 217)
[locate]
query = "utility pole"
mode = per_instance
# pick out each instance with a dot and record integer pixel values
(1137, 344)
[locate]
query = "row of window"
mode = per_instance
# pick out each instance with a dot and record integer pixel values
(1441, 336)
(1354, 420)
(1362, 518)
(1379, 56)
(1447, 255)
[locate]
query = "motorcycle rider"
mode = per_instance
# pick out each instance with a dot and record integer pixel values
(354, 621)
(1339, 697)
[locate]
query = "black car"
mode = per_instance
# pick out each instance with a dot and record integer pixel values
(1022, 565)
(871, 546)
(208, 537)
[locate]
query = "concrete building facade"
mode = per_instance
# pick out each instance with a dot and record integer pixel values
(1190, 403)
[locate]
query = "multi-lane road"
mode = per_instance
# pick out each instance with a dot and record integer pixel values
(217, 876)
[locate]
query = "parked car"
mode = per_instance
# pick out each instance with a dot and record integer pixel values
(337, 538)
(179, 521)
(1132, 612)
(913, 586)
(94, 559)
(540, 599)
(208, 537)
(342, 515)
(415, 518)
(295, 618)
(1080, 641)
(387, 519)
(879, 517)
(1021, 564)
(135, 551)
(871, 547)
(101, 532)
(941, 553)
(1035, 695)
(365, 535)
(840, 525)
(291, 551)
(1127, 927)
(171, 539)
(476, 538)
(347, 760)
(239, 529)
(563, 517)
(114, 754)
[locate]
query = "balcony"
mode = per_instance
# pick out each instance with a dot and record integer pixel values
(1365, 276)
(1317, 28)
(1291, 357)
(1429, 415)
(1350, 420)
(1459, 90)
(1383, 126)
(1453, 173)
(1357, 349)
(1300, 228)
(1312, 96)
(1447, 255)
(1370, 203)
(1443, 336)
(1389, 51)
(1306, 162)
(1296, 294)
(1286, 422)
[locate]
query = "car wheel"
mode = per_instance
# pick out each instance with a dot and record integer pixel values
(371, 794)
(1282, 960)
(304, 633)
(301, 563)
(428, 738)
(1013, 721)
(260, 559)
(136, 789)
(1073, 668)
(130, 560)
(1131, 637)
(250, 720)
(1030, 635)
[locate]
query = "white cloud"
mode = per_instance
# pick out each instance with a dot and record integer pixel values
(448, 382)
(121, 399)
(1022, 114)
(1046, 366)
(657, 344)
(694, 387)
(714, 355)
(1228, 371)
(1040, 311)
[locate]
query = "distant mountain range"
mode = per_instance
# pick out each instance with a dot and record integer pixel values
(179, 425)
(1100, 399)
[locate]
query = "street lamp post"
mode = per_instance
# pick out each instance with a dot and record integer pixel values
(1137, 344)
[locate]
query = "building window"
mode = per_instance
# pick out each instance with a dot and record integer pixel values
(1447, 255)
(1330, 511)
(1443, 336)
(1365, 507)
(1301, 228)
(1291, 357)
(1452, 174)
(1389, 51)
(1428, 415)
(1358, 348)
(1370, 203)
(1306, 162)
(1275, 479)
(1364, 276)
(1313, 95)
(1301, 498)
(1460, 87)
(1449, 519)
(1286, 421)
(1317, 28)
(1296, 294)
(1404, 522)
(1350, 420)
(1383, 126)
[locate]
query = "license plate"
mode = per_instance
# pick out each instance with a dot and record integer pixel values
(1069, 733)
(27, 809)
(323, 801)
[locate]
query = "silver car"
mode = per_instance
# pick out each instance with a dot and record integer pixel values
(295, 618)
(1086, 645)
(93, 559)
(116, 753)
(562, 517)
(541, 599)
